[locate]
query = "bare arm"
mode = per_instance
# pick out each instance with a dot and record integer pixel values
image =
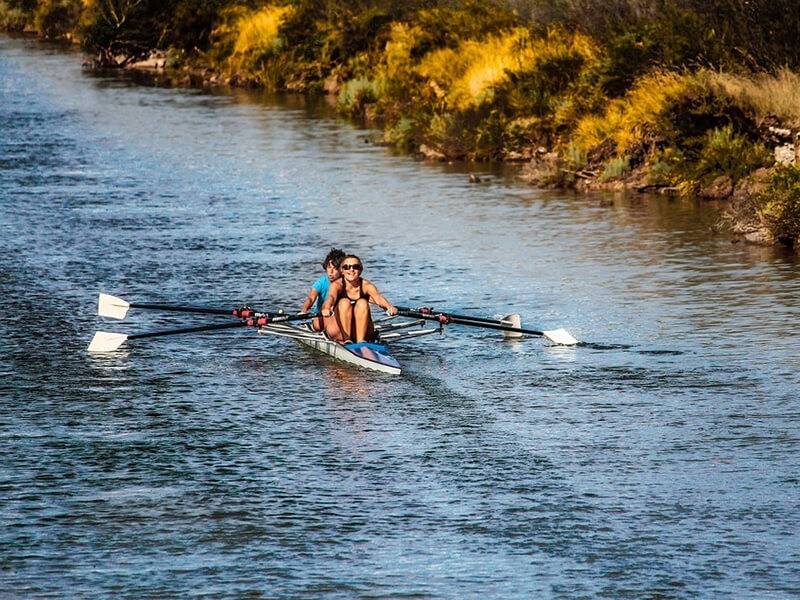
(330, 301)
(309, 301)
(377, 298)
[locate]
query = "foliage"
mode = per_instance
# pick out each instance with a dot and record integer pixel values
(667, 167)
(127, 28)
(779, 204)
(55, 19)
(356, 94)
(615, 168)
(191, 23)
(762, 34)
(640, 112)
(16, 15)
(726, 153)
(403, 134)
(764, 94)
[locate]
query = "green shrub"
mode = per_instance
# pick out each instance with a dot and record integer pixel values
(356, 94)
(402, 134)
(54, 19)
(667, 167)
(615, 168)
(779, 204)
(575, 157)
(726, 153)
(14, 17)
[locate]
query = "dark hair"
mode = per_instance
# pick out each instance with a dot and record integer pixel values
(335, 256)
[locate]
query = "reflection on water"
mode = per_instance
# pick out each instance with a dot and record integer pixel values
(658, 458)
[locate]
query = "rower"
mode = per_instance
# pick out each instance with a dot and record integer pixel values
(319, 290)
(348, 302)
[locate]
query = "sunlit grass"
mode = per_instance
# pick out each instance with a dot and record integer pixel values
(764, 93)
(467, 76)
(246, 37)
(627, 119)
(258, 31)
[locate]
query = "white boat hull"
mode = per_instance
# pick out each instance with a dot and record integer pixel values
(375, 357)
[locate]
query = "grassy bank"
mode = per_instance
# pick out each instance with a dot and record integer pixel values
(646, 94)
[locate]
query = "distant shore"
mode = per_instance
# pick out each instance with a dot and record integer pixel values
(580, 102)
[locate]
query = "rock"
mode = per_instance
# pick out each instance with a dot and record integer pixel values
(758, 236)
(332, 85)
(785, 154)
(474, 178)
(720, 188)
(431, 153)
(753, 184)
(515, 156)
(546, 171)
(151, 63)
(797, 148)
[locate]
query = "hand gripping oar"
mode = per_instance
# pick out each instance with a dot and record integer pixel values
(105, 341)
(117, 308)
(557, 336)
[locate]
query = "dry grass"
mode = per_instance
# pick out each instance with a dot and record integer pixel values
(627, 119)
(764, 94)
(258, 31)
(467, 76)
(251, 35)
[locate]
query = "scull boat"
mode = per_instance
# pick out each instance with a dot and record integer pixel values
(369, 355)
(375, 356)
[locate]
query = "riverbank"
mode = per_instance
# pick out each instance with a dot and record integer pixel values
(581, 102)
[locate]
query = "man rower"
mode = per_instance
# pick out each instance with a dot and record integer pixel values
(348, 302)
(319, 290)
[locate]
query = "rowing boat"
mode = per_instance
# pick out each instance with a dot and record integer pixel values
(375, 356)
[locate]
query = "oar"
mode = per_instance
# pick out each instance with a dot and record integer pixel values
(557, 336)
(117, 308)
(105, 341)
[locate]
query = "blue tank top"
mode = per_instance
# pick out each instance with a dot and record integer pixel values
(321, 285)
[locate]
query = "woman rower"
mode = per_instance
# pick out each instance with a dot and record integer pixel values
(348, 302)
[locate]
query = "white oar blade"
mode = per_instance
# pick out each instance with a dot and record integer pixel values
(103, 341)
(111, 306)
(560, 336)
(513, 320)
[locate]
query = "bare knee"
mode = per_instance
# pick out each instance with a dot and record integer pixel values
(343, 305)
(362, 306)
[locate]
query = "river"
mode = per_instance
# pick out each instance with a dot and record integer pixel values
(658, 460)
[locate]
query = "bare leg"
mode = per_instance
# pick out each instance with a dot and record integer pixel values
(364, 328)
(343, 315)
(335, 325)
(318, 324)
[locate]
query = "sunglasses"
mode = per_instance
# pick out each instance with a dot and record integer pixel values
(351, 267)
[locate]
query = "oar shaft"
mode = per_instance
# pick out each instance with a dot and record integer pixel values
(202, 310)
(444, 318)
(197, 329)
(476, 319)
(253, 322)
(497, 326)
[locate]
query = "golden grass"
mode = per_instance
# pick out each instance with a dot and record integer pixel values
(764, 94)
(397, 54)
(251, 34)
(627, 118)
(258, 31)
(467, 76)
